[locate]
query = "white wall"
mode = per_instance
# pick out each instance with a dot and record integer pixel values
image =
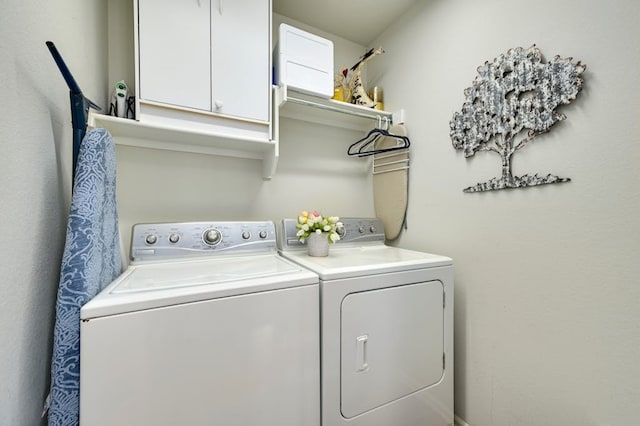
(35, 135)
(313, 172)
(547, 288)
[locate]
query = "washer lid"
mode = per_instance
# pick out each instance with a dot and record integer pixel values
(149, 285)
(347, 262)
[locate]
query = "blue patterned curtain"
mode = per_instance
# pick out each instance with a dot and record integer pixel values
(91, 260)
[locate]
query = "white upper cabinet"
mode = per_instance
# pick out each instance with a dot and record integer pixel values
(211, 56)
(202, 73)
(175, 52)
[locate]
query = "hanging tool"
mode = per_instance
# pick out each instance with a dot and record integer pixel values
(79, 103)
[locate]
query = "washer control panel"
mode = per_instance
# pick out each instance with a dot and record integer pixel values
(161, 240)
(353, 230)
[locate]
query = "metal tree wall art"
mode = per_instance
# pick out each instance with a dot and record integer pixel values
(514, 93)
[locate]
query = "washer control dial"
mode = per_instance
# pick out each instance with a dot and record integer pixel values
(246, 235)
(372, 229)
(174, 238)
(151, 239)
(211, 237)
(341, 231)
(361, 229)
(263, 234)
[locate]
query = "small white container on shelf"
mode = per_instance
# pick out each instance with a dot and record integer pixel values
(303, 61)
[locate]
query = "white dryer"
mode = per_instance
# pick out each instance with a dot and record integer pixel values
(208, 326)
(386, 329)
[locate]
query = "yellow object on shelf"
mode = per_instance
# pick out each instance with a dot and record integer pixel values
(342, 94)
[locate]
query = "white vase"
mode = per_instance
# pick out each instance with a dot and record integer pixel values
(318, 244)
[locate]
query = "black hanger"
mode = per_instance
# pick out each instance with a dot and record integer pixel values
(358, 146)
(363, 147)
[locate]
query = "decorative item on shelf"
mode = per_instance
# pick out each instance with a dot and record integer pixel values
(341, 91)
(122, 104)
(515, 93)
(317, 231)
(358, 93)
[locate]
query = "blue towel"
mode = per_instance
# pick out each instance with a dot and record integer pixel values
(91, 260)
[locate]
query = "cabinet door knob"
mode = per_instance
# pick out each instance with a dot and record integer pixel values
(218, 104)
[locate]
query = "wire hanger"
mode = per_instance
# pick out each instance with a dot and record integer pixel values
(367, 145)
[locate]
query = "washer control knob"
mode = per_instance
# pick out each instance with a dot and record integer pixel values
(341, 231)
(361, 229)
(211, 237)
(174, 238)
(263, 234)
(372, 229)
(246, 235)
(151, 239)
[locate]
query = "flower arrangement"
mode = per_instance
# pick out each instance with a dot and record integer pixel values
(309, 223)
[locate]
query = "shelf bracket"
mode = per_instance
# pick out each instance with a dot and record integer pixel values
(398, 117)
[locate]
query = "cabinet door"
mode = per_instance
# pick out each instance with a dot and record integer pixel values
(175, 52)
(240, 38)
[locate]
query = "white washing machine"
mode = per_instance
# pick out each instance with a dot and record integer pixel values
(207, 326)
(386, 329)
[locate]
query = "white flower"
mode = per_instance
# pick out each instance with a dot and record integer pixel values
(308, 223)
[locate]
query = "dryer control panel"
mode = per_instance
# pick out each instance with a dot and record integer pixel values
(353, 230)
(162, 240)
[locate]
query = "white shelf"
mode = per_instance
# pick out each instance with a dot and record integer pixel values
(287, 103)
(174, 138)
(314, 109)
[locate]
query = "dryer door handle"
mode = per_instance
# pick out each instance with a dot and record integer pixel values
(361, 353)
